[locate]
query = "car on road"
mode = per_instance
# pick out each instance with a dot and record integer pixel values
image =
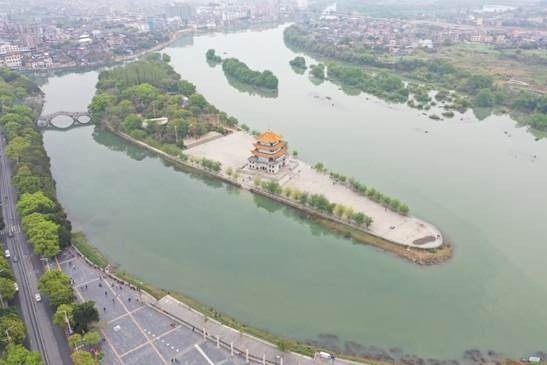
(16, 286)
(14, 259)
(10, 234)
(38, 297)
(7, 254)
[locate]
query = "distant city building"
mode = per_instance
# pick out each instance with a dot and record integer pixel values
(269, 154)
(183, 11)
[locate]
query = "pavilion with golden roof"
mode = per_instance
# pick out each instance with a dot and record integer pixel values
(269, 153)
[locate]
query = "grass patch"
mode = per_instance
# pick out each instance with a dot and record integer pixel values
(155, 292)
(79, 240)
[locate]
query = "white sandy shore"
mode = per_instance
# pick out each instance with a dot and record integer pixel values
(234, 149)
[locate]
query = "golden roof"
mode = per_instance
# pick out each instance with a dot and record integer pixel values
(269, 137)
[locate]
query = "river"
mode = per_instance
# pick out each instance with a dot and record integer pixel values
(483, 183)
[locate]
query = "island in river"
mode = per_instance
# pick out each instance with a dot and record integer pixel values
(146, 103)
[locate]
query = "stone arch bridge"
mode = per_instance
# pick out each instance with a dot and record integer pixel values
(48, 121)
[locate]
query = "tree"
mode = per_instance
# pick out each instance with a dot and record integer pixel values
(82, 358)
(318, 71)
(99, 104)
(17, 148)
(132, 122)
(75, 340)
(320, 167)
(12, 324)
(35, 203)
(359, 218)
(186, 88)
(211, 56)
(303, 199)
(404, 209)
(349, 213)
(85, 314)
(43, 234)
(485, 98)
(7, 289)
(538, 121)
(339, 210)
(63, 312)
(56, 285)
(25, 182)
(298, 62)
(19, 355)
(91, 338)
(272, 186)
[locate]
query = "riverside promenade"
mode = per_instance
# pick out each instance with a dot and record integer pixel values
(138, 329)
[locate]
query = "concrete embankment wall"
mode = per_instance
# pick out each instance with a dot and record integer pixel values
(347, 228)
(171, 158)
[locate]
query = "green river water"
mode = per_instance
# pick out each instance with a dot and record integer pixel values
(262, 264)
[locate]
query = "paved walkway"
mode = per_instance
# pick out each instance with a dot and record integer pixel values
(139, 330)
(233, 150)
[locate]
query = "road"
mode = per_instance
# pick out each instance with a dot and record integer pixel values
(42, 335)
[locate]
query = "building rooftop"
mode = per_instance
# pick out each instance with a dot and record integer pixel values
(269, 137)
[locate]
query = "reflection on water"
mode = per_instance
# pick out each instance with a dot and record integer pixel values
(298, 70)
(466, 177)
(251, 90)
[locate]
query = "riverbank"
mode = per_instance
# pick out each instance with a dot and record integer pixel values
(411, 252)
(260, 346)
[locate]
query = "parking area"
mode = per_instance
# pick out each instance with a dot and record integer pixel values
(134, 333)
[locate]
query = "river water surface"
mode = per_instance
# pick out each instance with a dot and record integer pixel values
(483, 183)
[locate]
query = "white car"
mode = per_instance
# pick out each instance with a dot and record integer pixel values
(7, 254)
(16, 286)
(38, 297)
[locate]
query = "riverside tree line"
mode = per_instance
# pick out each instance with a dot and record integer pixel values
(43, 221)
(465, 89)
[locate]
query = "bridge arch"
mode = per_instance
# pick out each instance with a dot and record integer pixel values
(47, 121)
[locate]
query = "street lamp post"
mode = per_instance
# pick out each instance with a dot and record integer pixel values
(7, 333)
(68, 323)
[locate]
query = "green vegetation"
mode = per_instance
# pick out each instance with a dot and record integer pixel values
(380, 84)
(360, 188)
(129, 97)
(298, 62)
(37, 197)
(241, 72)
(18, 355)
(56, 285)
(212, 57)
(318, 71)
(79, 241)
(84, 315)
(459, 88)
(315, 201)
(19, 108)
(43, 219)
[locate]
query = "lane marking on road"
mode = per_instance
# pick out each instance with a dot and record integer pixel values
(204, 354)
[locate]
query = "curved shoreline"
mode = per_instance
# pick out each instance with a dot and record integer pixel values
(419, 256)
